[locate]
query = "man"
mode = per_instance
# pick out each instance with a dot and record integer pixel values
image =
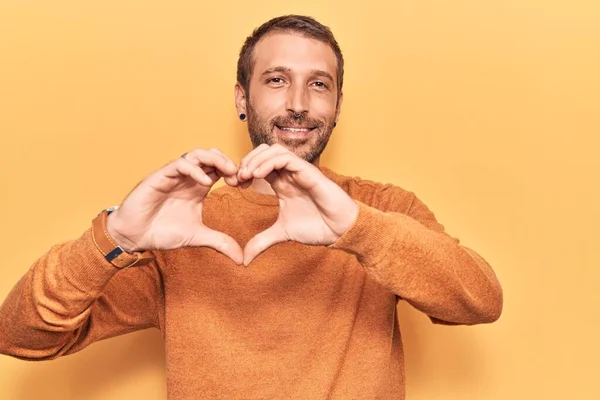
(283, 283)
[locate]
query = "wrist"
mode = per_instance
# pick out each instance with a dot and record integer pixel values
(116, 248)
(114, 227)
(351, 217)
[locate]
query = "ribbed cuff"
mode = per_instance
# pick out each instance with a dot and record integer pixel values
(371, 236)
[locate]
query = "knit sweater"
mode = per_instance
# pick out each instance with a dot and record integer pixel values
(301, 322)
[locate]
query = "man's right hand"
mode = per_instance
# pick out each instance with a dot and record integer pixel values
(164, 211)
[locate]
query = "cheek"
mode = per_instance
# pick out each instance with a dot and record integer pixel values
(323, 107)
(268, 104)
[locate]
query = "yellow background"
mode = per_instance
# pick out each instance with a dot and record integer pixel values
(488, 110)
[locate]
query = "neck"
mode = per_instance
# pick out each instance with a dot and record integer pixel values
(263, 187)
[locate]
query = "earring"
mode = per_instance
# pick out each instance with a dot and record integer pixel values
(243, 117)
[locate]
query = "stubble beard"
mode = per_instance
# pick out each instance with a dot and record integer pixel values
(263, 131)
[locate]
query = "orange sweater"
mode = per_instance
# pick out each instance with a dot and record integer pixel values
(301, 322)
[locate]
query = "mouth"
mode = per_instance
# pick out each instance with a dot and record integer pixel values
(294, 131)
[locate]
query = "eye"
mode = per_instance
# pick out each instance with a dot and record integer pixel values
(275, 80)
(320, 85)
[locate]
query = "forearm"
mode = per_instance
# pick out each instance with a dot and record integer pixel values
(48, 308)
(428, 268)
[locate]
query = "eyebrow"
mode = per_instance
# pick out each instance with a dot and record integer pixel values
(315, 72)
(321, 73)
(275, 69)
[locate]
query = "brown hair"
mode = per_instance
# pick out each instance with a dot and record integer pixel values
(306, 26)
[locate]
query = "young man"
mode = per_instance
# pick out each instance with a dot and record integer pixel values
(283, 283)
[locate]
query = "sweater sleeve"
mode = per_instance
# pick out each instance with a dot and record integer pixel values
(71, 297)
(411, 254)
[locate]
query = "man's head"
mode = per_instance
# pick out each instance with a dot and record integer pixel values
(289, 84)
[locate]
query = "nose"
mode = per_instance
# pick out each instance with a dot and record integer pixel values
(297, 100)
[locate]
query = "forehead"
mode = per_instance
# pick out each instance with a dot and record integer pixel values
(296, 52)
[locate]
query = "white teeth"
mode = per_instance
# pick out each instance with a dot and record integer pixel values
(295, 130)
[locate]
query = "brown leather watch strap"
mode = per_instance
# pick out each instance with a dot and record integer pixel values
(111, 251)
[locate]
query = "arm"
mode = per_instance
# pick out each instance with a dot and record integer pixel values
(412, 255)
(72, 297)
(396, 238)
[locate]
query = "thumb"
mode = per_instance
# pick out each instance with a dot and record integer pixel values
(221, 242)
(262, 242)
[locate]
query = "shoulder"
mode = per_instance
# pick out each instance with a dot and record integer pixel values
(386, 197)
(380, 195)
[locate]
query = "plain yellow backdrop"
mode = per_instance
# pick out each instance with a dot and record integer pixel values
(488, 110)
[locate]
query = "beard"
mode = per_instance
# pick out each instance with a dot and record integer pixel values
(309, 148)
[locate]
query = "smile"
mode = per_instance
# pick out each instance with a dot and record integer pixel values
(295, 130)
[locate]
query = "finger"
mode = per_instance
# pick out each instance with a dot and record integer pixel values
(272, 177)
(221, 242)
(219, 152)
(262, 242)
(260, 158)
(305, 175)
(209, 158)
(246, 184)
(212, 172)
(254, 152)
(182, 167)
(242, 175)
(231, 180)
(288, 161)
(215, 150)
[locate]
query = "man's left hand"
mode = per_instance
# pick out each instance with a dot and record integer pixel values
(313, 210)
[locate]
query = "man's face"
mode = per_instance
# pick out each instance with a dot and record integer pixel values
(293, 94)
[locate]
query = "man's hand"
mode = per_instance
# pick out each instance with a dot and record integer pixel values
(313, 210)
(164, 211)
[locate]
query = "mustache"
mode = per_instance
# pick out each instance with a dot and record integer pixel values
(302, 122)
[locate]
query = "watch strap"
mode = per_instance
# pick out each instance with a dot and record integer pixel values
(111, 251)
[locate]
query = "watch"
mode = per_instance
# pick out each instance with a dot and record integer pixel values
(111, 251)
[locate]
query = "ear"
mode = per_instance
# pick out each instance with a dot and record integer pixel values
(339, 106)
(240, 99)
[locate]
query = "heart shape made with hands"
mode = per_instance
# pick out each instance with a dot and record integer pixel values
(313, 209)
